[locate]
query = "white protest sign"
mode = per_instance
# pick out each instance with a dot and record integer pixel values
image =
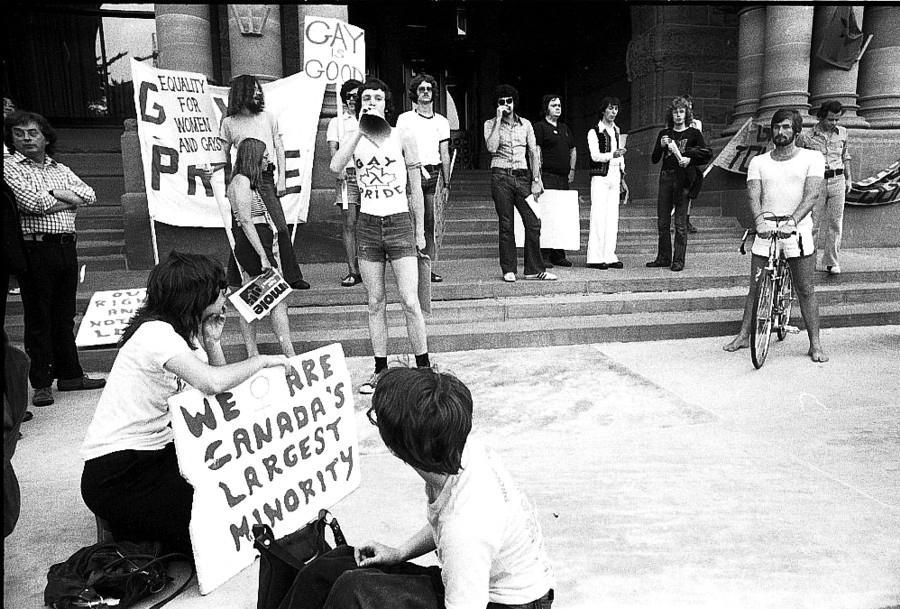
(256, 299)
(296, 102)
(560, 223)
(270, 451)
(333, 51)
(107, 315)
(179, 138)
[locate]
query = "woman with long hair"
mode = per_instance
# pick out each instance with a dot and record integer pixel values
(131, 477)
(254, 237)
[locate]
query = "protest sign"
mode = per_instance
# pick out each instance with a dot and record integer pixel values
(751, 140)
(273, 450)
(107, 315)
(333, 50)
(560, 223)
(254, 300)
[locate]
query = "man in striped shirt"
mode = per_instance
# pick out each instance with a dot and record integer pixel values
(47, 195)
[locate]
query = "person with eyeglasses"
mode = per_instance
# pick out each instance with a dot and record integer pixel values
(346, 180)
(432, 133)
(510, 140)
(131, 477)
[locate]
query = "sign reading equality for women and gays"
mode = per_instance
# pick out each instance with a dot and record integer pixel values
(178, 116)
(107, 316)
(274, 450)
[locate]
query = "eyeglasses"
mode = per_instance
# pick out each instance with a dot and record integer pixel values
(372, 416)
(504, 101)
(352, 96)
(424, 88)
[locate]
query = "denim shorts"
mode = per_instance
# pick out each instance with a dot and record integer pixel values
(379, 238)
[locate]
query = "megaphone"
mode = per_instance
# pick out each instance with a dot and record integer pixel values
(374, 128)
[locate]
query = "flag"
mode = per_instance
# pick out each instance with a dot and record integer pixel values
(882, 188)
(842, 41)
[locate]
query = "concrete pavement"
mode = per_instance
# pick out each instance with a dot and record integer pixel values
(666, 474)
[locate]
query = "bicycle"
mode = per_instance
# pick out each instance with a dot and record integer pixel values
(774, 296)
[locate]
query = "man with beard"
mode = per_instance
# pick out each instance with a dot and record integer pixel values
(245, 118)
(785, 182)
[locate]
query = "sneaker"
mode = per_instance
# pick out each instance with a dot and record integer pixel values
(42, 397)
(509, 277)
(80, 383)
(834, 270)
(368, 387)
(545, 276)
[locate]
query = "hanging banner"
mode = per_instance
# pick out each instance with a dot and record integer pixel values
(274, 450)
(107, 316)
(179, 115)
(879, 189)
(333, 51)
(751, 140)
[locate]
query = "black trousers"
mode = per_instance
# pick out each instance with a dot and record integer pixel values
(672, 195)
(48, 299)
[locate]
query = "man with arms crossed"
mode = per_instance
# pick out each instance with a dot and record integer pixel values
(432, 133)
(785, 182)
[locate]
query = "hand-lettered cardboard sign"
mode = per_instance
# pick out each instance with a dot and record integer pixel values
(273, 450)
(254, 300)
(107, 315)
(333, 50)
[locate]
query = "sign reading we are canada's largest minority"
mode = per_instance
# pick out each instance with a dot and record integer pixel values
(274, 450)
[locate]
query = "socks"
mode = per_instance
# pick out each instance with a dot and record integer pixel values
(422, 361)
(380, 364)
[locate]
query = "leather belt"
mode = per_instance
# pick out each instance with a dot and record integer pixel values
(509, 172)
(830, 173)
(62, 238)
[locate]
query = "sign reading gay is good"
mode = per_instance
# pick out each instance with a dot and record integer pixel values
(274, 450)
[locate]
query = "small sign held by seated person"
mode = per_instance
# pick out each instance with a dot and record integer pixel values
(255, 299)
(107, 316)
(274, 450)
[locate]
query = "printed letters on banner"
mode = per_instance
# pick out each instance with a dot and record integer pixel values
(273, 450)
(254, 300)
(560, 224)
(107, 316)
(751, 140)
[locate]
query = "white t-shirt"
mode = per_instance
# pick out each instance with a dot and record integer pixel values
(381, 175)
(133, 411)
(238, 127)
(429, 133)
(783, 181)
(351, 124)
(487, 535)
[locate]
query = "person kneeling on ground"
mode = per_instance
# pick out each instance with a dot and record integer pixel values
(484, 531)
(131, 477)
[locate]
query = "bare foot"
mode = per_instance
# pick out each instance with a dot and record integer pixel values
(739, 342)
(817, 355)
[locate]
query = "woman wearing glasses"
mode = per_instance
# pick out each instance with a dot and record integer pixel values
(131, 477)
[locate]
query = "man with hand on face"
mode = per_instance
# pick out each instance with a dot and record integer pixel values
(785, 182)
(509, 138)
(675, 146)
(432, 133)
(345, 183)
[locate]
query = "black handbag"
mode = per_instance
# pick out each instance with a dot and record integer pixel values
(281, 559)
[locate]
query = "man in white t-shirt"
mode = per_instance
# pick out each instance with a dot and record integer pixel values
(785, 182)
(346, 187)
(432, 133)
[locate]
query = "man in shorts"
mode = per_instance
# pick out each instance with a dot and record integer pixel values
(785, 182)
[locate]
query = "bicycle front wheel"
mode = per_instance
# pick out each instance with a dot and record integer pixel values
(761, 327)
(786, 296)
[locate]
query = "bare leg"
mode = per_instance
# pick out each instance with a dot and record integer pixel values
(373, 280)
(248, 331)
(802, 270)
(742, 340)
(349, 234)
(278, 316)
(406, 270)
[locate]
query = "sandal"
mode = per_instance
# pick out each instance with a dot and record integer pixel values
(351, 280)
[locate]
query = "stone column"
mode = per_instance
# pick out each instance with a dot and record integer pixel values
(257, 52)
(785, 81)
(183, 37)
(751, 51)
(831, 82)
(879, 84)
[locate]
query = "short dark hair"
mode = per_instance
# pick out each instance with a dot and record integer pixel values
(23, 117)
(249, 159)
(545, 103)
(679, 102)
(787, 113)
(178, 290)
(832, 105)
(347, 87)
(506, 91)
(375, 84)
(241, 93)
(412, 91)
(424, 417)
(608, 101)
